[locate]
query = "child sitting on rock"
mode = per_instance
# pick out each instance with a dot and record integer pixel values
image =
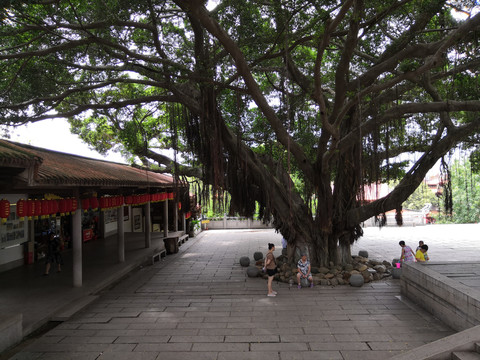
(421, 254)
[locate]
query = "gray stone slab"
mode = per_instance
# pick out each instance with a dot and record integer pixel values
(142, 339)
(252, 338)
(365, 337)
(370, 355)
(311, 355)
(307, 338)
(28, 356)
(299, 346)
(251, 355)
(340, 345)
(130, 355)
(87, 340)
(198, 339)
(397, 345)
(228, 347)
(182, 355)
(84, 355)
(163, 348)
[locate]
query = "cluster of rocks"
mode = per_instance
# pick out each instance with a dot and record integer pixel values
(361, 270)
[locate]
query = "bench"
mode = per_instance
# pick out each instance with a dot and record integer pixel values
(182, 239)
(158, 254)
(173, 242)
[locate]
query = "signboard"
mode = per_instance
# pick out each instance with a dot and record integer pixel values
(13, 231)
(87, 234)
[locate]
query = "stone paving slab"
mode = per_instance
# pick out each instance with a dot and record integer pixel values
(467, 273)
(199, 304)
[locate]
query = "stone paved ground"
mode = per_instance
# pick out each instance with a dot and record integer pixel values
(199, 304)
(458, 242)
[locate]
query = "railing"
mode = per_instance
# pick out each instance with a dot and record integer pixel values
(229, 222)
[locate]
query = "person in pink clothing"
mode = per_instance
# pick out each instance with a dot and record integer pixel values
(407, 252)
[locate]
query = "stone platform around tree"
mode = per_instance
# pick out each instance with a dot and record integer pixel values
(448, 290)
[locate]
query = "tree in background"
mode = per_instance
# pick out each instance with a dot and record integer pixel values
(465, 193)
(250, 95)
(420, 197)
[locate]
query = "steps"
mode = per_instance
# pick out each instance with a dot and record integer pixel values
(453, 347)
(467, 355)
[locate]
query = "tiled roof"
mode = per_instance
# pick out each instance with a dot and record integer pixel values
(57, 168)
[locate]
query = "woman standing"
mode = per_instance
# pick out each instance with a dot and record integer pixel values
(271, 266)
(407, 252)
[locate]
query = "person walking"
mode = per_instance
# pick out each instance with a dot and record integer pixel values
(407, 253)
(53, 254)
(271, 266)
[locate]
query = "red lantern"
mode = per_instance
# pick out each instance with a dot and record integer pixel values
(53, 207)
(74, 207)
(45, 209)
(30, 211)
(171, 196)
(4, 210)
(103, 203)
(85, 204)
(129, 200)
(69, 205)
(179, 205)
(163, 196)
(21, 209)
(62, 206)
(38, 209)
(121, 200)
(94, 203)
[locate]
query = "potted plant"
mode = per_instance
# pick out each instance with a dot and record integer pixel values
(194, 227)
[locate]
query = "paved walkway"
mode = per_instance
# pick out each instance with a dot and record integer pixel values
(39, 298)
(199, 304)
(459, 242)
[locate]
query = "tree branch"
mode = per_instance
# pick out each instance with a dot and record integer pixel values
(413, 178)
(214, 28)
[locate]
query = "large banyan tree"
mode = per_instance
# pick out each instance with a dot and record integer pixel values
(290, 106)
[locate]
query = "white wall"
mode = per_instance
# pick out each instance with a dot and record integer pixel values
(12, 255)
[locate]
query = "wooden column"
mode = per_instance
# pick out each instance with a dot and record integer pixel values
(165, 218)
(77, 244)
(175, 216)
(148, 225)
(120, 235)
